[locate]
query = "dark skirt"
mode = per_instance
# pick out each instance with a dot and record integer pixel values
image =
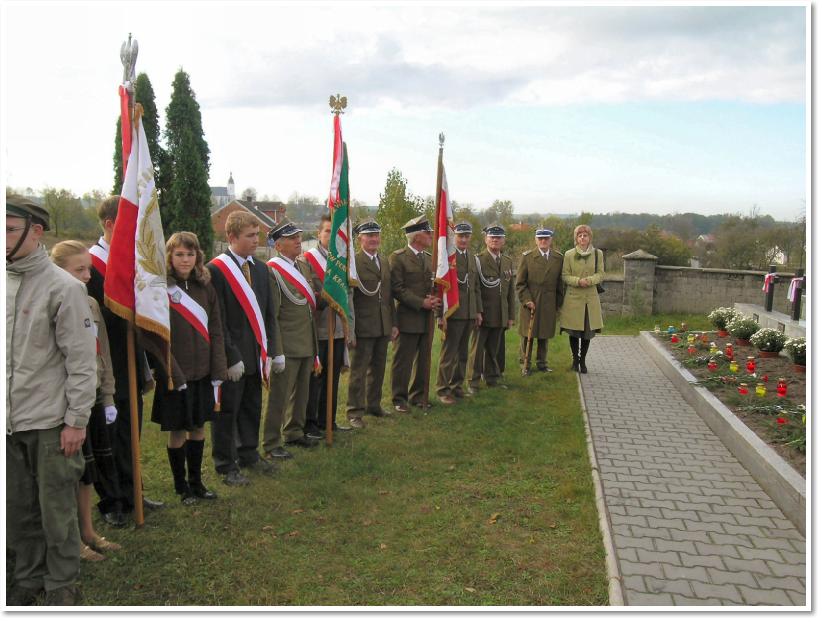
(187, 410)
(582, 334)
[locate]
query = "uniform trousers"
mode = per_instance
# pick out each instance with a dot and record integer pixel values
(235, 430)
(315, 414)
(454, 356)
(541, 348)
(483, 357)
(367, 375)
(412, 357)
(41, 509)
(287, 399)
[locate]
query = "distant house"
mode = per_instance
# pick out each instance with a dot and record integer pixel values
(267, 213)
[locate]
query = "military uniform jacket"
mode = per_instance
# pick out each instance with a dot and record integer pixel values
(295, 335)
(499, 303)
(410, 284)
(323, 309)
(240, 343)
(469, 285)
(374, 312)
(539, 280)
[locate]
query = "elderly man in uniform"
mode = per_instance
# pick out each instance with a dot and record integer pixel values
(374, 326)
(454, 353)
(295, 345)
(51, 378)
(411, 287)
(539, 289)
(496, 277)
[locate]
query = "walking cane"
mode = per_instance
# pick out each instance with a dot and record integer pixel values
(526, 366)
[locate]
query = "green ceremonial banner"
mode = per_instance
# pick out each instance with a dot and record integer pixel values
(335, 286)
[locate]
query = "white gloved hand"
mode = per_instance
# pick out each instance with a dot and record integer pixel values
(278, 364)
(111, 413)
(216, 383)
(236, 371)
(182, 387)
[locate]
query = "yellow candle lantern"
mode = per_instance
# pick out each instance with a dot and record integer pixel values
(761, 391)
(733, 367)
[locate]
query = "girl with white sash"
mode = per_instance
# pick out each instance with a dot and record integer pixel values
(198, 351)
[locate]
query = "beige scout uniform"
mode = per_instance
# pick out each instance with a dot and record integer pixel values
(539, 280)
(374, 317)
(410, 284)
(296, 337)
(454, 353)
(499, 303)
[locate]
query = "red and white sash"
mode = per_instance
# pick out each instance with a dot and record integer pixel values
(189, 309)
(317, 261)
(99, 257)
(295, 277)
(248, 301)
(769, 281)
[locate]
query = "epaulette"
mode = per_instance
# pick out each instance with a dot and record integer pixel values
(528, 252)
(427, 253)
(399, 250)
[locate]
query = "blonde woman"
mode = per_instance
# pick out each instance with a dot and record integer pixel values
(101, 471)
(583, 268)
(198, 353)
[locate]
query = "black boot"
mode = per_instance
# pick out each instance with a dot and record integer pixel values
(583, 350)
(194, 457)
(177, 460)
(574, 352)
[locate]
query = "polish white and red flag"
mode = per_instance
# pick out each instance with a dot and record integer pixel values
(135, 283)
(446, 274)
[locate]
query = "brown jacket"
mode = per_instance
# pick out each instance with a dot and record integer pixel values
(470, 298)
(539, 280)
(374, 311)
(410, 284)
(189, 350)
(499, 301)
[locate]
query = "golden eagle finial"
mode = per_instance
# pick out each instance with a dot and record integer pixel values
(337, 103)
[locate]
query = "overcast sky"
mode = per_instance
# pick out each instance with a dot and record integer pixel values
(557, 108)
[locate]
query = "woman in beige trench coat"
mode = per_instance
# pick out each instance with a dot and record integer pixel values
(581, 313)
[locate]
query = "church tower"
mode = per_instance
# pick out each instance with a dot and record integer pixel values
(230, 187)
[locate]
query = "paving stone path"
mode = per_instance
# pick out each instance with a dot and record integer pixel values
(690, 525)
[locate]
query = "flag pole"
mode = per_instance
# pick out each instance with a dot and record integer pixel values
(434, 259)
(128, 56)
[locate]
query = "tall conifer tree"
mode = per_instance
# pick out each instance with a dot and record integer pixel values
(189, 197)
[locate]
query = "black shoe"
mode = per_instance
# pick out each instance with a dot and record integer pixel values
(23, 596)
(115, 519)
(575, 366)
(235, 478)
(201, 492)
(279, 453)
(544, 370)
(262, 466)
(64, 596)
(582, 368)
(307, 443)
(150, 504)
(188, 498)
(378, 412)
(315, 435)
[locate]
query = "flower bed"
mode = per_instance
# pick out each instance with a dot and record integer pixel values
(779, 421)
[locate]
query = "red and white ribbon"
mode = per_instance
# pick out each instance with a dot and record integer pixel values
(317, 261)
(796, 284)
(190, 310)
(769, 280)
(248, 301)
(99, 257)
(295, 277)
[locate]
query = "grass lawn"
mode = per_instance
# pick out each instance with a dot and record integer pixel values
(489, 502)
(632, 325)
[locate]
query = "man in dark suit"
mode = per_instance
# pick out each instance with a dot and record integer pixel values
(241, 282)
(117, 493)
(411, 287)
(373, 327)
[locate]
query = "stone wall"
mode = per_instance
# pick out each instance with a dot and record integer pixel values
(611, 298)
(700, 290)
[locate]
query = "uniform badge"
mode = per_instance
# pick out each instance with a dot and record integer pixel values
(87, 323)
(176, 297)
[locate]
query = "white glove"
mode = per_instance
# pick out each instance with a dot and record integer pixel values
(216, 383)
(111, 413)
(182, 387)
(278, 364)
(236, 371)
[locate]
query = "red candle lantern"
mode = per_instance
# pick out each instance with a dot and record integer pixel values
(712, 365)
(743, 389)
(782, 388)
(751, 365)
(729, 350)
(705, 338)
(674, 338)
(691, 350)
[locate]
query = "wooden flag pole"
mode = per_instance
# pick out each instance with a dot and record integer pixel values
(128, 56)
(434, 253)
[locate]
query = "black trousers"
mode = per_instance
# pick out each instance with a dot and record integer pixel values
(235, 431)
(120, 496)
(107, 483)
(315, 412)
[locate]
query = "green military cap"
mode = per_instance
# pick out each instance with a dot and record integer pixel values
(419, 223)
(21, 207)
